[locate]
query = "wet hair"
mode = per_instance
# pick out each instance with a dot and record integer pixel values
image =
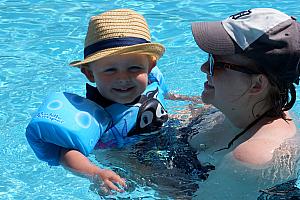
(282, 94)
(282, 97)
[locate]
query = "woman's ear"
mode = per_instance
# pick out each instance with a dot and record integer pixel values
(259, 84)
(88, 73)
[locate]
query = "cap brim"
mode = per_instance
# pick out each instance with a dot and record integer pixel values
(152, 49)
(212, 38)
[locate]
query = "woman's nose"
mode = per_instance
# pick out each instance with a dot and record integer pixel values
(205, 67)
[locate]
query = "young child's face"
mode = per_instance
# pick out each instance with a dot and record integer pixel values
(120, 78)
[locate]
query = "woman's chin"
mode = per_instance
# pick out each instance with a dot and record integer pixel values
(207, 97)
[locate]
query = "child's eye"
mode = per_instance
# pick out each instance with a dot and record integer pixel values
(109, 70)
(135, 68)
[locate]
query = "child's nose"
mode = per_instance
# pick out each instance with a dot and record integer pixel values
(123, 77)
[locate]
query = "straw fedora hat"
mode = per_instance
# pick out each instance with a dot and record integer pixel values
(118, 32)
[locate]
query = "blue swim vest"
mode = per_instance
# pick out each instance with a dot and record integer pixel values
(66, 120)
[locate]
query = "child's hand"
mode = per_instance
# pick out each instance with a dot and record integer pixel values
(110, 179)
(80, 164)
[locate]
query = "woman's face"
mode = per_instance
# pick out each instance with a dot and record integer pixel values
(227, 88)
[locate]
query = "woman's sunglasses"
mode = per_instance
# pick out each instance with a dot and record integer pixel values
(213, 64)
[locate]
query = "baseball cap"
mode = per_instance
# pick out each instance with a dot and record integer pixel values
(269, 37)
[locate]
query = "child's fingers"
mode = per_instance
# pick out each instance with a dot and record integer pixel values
(112, 186)
(121, 181)
(117, 179)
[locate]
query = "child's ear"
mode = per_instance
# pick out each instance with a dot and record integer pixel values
(259, 84)
(88, 73)
(152, 63)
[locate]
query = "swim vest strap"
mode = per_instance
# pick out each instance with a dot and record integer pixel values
(65, 120)
(156, 76)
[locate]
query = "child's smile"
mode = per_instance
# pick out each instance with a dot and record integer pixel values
(123, 90)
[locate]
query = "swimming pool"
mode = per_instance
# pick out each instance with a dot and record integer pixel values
(39, 38)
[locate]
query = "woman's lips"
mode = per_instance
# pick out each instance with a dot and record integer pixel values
(208, 86)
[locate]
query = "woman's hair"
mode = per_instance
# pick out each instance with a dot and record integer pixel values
(282, 96)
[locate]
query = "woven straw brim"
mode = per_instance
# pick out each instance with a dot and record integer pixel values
(152, 49)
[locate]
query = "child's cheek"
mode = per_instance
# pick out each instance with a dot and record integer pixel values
(143, 79)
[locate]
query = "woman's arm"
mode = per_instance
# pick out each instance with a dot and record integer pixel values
(77, 163)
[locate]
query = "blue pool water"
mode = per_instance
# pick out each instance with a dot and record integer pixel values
(37, 41)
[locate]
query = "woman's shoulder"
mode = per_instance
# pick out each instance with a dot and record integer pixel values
(256, 152)
(259, 149)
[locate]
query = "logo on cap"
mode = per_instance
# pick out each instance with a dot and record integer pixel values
(240, 14)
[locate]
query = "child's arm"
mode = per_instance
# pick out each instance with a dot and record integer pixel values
(179, 97)
(157, 76)
(81, 165)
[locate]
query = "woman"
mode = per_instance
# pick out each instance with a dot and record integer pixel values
(252, 66)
